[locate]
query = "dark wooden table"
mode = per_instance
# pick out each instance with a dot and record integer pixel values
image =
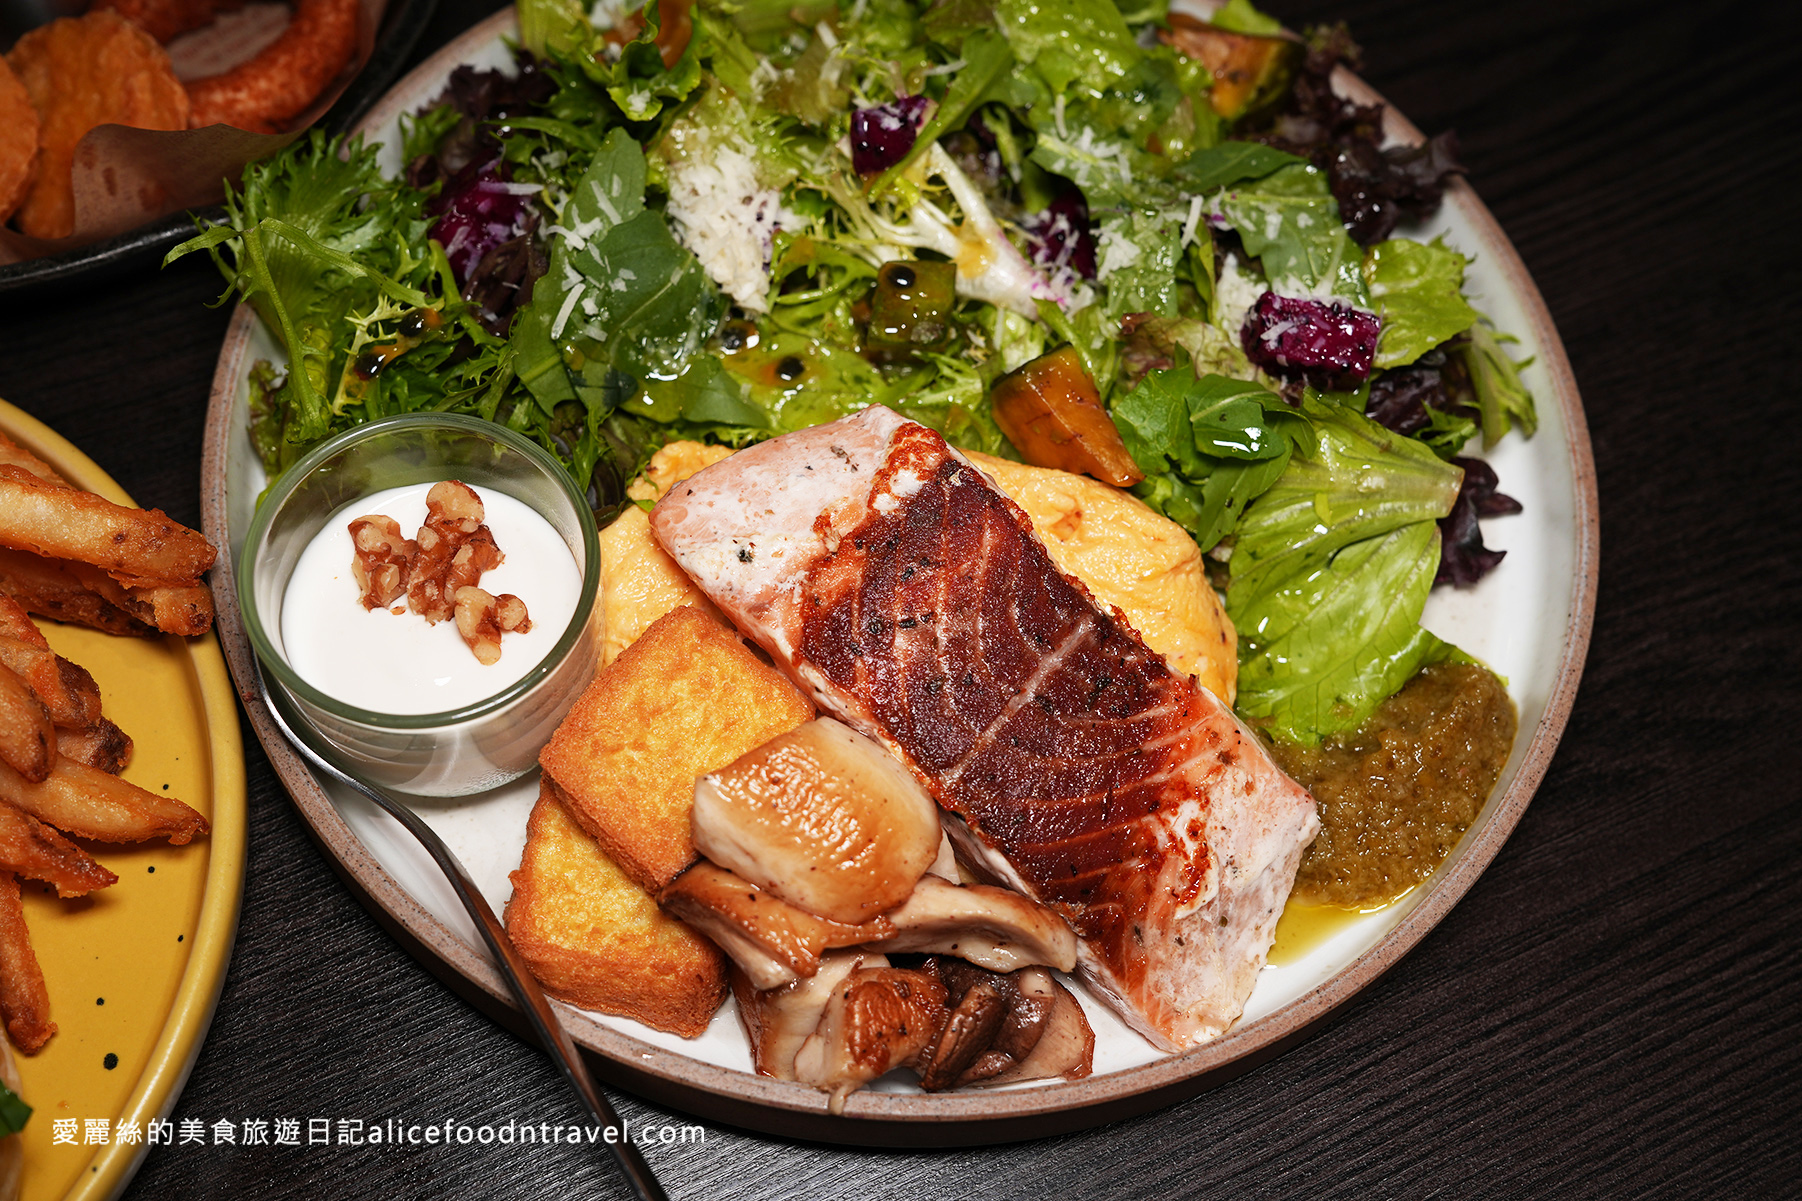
(1612, 1011)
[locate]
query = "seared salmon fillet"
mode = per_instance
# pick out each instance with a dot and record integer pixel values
(911, 598)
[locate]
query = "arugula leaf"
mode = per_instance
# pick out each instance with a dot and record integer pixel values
(1418, 290)
(1290, 221)
(1226, 417)
(1229, 162)
(1323, 647)
(13, 1112)
(1209, 446)
(622, 296)
(1495, 377)
(705, 394)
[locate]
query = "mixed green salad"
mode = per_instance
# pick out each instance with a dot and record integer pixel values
(734, 218)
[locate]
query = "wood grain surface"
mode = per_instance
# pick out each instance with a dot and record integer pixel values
(1611, 1012)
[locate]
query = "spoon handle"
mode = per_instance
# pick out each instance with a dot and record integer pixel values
(526, 990)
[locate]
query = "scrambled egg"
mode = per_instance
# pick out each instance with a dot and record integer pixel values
(1127, 555)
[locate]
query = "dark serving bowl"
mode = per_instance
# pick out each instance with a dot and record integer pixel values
(402, 23)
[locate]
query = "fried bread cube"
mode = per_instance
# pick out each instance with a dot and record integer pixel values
(687, 698)
(597, 940)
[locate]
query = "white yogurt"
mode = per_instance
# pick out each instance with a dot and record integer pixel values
(399, 663)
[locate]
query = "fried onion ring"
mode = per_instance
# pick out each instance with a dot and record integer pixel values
(18, 141)
(81, 72)
(165, 20)
(288, 75)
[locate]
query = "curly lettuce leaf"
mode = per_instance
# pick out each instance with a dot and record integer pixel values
(987, 59)
(1418, 290)
(639, 82)
(1358, 480)
(553, 26)
(1241, 17)
(1323, 647)
(1330, 570)
(1069, 41)
(313, 238)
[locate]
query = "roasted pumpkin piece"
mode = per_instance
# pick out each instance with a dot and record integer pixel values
(911, 306)
(1249, 71)
(1050, 410)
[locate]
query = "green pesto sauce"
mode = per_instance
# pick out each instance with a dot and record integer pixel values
(1396, 794)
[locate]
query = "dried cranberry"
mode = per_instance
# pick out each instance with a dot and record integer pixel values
(1328, 344)
(1062, 235)
(477, 211)
(882, 136)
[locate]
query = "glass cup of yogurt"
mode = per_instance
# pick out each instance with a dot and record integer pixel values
(405, 703)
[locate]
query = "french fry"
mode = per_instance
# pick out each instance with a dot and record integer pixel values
(24, 1001)
(174, 609)
(103, 746)
(134, 546)
(13, 454)
(15, 622)
(85, 595)
(27, 736)
(45, 587)
(33, 850)
(79, 800)
(67, 691)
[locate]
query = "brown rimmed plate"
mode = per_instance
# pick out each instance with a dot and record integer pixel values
(1530, 620)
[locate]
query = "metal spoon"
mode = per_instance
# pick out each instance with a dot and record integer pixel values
(525, 987)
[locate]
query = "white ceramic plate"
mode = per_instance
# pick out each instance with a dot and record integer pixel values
(1529, 619)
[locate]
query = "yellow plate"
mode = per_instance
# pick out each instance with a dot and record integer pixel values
(134, 970)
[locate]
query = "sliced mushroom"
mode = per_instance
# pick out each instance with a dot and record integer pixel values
(823, 818)
(771, 940)
(969, 1031)
(778, 1020)
(953, 1023)
(993, 927)
(1065, 1042)
(878, 1019)
(1041, 1031)
(945, 865)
